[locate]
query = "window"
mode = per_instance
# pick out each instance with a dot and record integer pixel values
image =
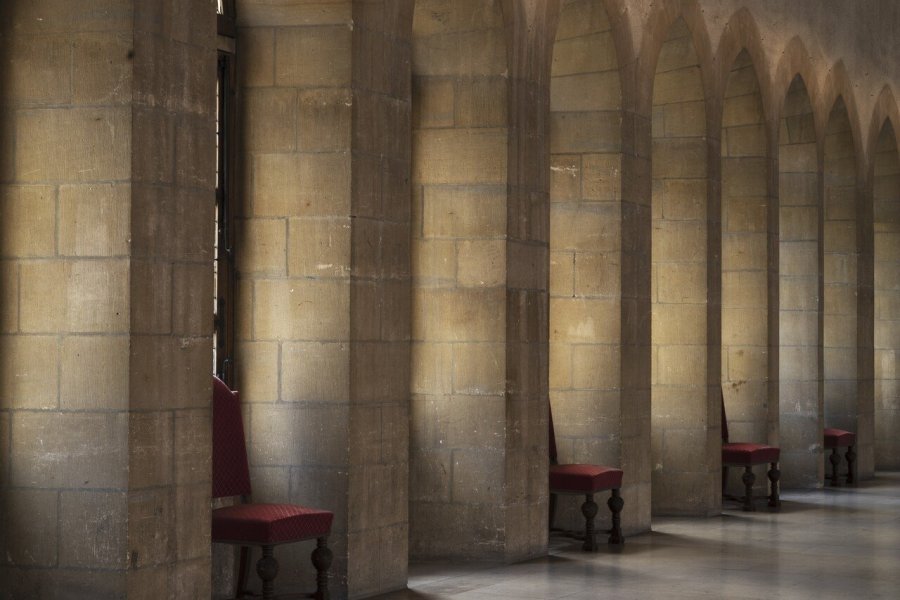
(224, 247)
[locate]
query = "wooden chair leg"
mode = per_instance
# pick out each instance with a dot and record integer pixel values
(851, 463)
(835, 460)
(552, 512)
(589, 510)
(748, 478)
(321, 559)
(615, 504)
(774, 475)
(240, 588)
(267, 569)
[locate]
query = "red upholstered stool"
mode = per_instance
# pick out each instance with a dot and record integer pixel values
(838, 438)
(587, 480)
(747, 456)
(257, 524)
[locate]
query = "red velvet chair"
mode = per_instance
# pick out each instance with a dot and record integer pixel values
(740, 454)
(254, 524)
(838, 438)
(587, 480)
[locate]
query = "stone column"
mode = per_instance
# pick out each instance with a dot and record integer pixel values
(106, 275)
(323, 259)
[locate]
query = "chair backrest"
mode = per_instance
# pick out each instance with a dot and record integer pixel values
(552, 440)
(724, 420)
(230, 470)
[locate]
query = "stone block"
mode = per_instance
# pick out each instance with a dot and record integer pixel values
(479, 369)
(585, 132)
(596, 274)
(258, 371)
(172, 223)
(315, 372)
(94, 373)
(799, 260)
(154, 154)
(676, 324)
(258, 49)
(297, 185)
(319, 247)
(26, 365)
(33, 211)
(682, 199)
(434, 262)
(83, 296)
(480, 101)
(41, 73)
(192, 514)
(580, 92)
(192, 285)
(682, 365)
(565, 178)
(30, 523)
(679, 241)
(298, 435)
(69, 450)
(797, 158)
(680, 85)
(151, 438)
(745, 289)
(324, 120)
(746, 216)
(460, 156)
(264, 251)
(746, 178)
(301, 310)
(432, 368)
(94, 530)
(840, 363)
(798, 328)
(475, 477)
(194, 166)
(679, 158)
(9, 296)
(435, 105)
(596, 366)
(797, 364)
(94, 220)
(684, 119)
(681, 283)
(192, 446)
(430, 479)
(470, 314)
(90, 144)
(261, 13)
(580, 320)
(152, 297)
(150, 527)
(744, 327)
(584, 54)
(313, 56)
(162, 372)
(746, 363)
(602, 177)
(271, 120)
(593, 227)
(746, 141)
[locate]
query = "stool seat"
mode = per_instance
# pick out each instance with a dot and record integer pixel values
(744, 454)
(839, 438)
(584, 479)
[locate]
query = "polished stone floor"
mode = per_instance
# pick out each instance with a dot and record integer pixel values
(834, 543)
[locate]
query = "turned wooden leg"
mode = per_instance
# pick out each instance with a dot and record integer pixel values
(589, 510)
(615, 504)
(267, 569)
(835, 460)
(774, 476)
(724, 480)
(240, 588)
(321, 559)
(748, 478)
(851, 463)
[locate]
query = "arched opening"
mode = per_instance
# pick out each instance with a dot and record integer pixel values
(682, 478)
(886, 216)
(800, 421)
(746, 271)
(585, 243)
(459, 204)
(840, 275)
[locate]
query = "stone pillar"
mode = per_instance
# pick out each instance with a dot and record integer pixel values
(479, 389)
(106, 247)
(800, 400)
(323, 259)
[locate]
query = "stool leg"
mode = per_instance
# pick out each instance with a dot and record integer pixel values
(835, 460)
(321, 559)
(748, 478)
(615, 504)
(589, 510)
(267, 569)
(774, 475)
(851, 462)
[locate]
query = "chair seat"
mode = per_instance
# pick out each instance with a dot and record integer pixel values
(749, 454)
(269, 523)
(584, 479)
(838, 438)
